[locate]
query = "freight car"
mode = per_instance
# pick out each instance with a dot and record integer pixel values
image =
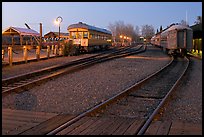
(89, 38)
(176, 39)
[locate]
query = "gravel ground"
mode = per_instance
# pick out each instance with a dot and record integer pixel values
(25, 68)
(76, 92)
(186, 105)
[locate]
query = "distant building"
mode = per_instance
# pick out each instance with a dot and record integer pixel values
(197, 36)
(54, 36)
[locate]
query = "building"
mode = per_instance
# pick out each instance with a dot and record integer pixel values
(53, 36)
(20, 36)
(197, 36)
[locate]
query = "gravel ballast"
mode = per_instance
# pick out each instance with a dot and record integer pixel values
(74, 93)
(186, 104)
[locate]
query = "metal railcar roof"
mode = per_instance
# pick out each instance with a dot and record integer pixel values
(89, 27)
(176, 27)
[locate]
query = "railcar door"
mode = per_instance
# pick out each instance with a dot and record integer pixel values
(181, 39)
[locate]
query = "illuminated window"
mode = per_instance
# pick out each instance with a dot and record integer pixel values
(85, 34)
(79, 35)
(73, 35)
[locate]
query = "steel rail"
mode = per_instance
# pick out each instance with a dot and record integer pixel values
(161, 104)
(66, 70)
(55, 67)
(108, 101)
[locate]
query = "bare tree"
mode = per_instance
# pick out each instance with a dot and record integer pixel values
(136, 33)
(147, 31)
(112, 29)
(120, 28)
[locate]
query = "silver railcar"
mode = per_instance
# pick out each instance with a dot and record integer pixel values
(177, 39)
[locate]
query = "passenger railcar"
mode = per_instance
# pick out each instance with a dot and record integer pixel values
(176, 39)
(156, 39)
(89, 38)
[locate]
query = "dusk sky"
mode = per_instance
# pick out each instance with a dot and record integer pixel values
(99, 14)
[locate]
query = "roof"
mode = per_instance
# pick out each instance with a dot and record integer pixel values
(174, 27)
(197, 27)
(89, 27)
(20, 31)
(57, 33)
(197, 30)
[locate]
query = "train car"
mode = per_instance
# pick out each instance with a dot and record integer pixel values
(177, 39)
(156, 39)
(89, 38)
(153, 40)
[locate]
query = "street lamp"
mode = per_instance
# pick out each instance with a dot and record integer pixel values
(58, 21)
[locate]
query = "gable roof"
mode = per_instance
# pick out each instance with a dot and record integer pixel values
(20, 31)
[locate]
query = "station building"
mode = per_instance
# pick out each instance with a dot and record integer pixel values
(197, 37)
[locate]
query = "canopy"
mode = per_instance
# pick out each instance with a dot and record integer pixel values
(20, 31)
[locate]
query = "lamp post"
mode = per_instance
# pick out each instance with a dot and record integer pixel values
(121, 36)
(58, 21)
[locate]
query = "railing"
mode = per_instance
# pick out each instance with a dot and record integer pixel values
(9, 50)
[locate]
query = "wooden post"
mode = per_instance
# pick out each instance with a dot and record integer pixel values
(52, 49)
(3, 54)
(25, 54)
(31, 42)
(63, 49)
(21, 40)
(48, 51)
(10, 55)
(56, 50)
(38, 52)
(60, 50)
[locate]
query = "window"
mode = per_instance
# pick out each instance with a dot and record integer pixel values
(85, 35)
(73, 35)
(79, 35)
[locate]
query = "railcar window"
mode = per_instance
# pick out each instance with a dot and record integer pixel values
(93, 36)
(79, 35)
(73, 35)
(96, 36)
(85, 34)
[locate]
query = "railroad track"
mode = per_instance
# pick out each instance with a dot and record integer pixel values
(153, 90)
(26, 81)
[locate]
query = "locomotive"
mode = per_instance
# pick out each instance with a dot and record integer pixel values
(175, 40)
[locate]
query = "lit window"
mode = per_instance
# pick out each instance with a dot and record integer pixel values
(85, 34)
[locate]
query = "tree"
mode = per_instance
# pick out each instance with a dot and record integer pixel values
(147, 31)
(120, 28)
(198, 20)
(136, 35)
(161, 28)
